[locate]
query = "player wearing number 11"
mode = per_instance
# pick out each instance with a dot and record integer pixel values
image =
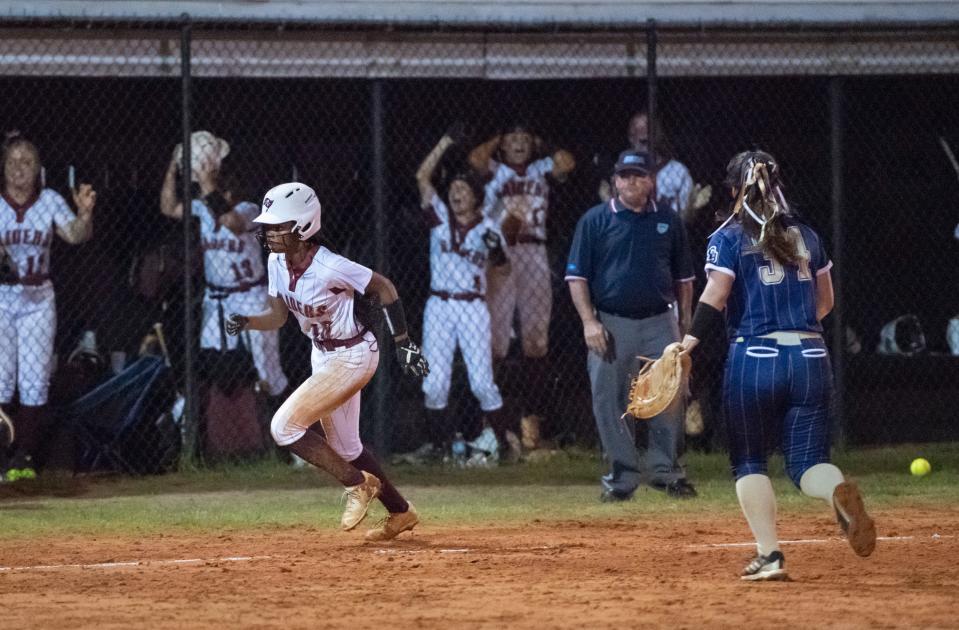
(770, 273)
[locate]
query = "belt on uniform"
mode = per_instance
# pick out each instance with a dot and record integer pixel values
(29, 281)
(218, 293)
(638, 314)
(786, 337)
(327, 345)
(466, 296)
(530, 240)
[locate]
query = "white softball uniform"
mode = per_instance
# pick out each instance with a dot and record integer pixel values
(456, 313)
(236, 283)
(525, 194)
(28, 315)
(674, 185)
(344, 355)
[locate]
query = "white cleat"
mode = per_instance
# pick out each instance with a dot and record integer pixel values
(358, 499)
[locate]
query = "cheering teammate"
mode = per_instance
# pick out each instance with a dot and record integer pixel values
(232, 259)
(29, 217)
(517, 199)
(770, 272)
(319, 287)
(461, 243)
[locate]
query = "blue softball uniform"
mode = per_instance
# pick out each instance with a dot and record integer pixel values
(778, 379)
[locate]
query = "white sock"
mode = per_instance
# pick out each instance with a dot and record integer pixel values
(758, 502)
(820, 481)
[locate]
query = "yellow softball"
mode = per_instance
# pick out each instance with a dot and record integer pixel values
(920, 467)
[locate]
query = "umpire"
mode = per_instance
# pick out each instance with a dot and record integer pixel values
(629, 265)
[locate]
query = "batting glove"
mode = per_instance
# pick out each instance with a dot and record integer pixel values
(411, 358)
(236, 323)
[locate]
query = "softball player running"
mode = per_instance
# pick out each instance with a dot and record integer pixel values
(770, 272)
(29, 217)
(232, 266)
(319, 287)
(461, 243)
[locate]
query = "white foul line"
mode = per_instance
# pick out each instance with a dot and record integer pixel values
(813, 541)
(132, 563)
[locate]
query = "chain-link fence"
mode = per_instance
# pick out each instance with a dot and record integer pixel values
(861, 122)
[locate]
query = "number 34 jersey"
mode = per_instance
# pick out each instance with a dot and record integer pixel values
(27, 231)
(767, 295)
(229, 260)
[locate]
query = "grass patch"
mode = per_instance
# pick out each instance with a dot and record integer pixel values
(269, 494)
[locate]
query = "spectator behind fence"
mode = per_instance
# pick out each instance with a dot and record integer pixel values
(770, 274)
(674, 185)
(462, 242)
(29, 217)
(232, 257)
(628, 263)
(517, 199)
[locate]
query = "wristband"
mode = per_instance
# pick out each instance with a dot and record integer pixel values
(705, 318)
(217, 203)
(395, 318)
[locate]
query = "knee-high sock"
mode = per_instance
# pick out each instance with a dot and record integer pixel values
(437, 427)
(390, 497)
(500, 423)
(536, 373)
(758, 502)
(820, 481)
(314, 448)
(29, 425)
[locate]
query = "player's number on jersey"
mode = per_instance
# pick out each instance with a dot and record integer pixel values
(321, 332)
(773, 272)
(243, 270)
(34, 265)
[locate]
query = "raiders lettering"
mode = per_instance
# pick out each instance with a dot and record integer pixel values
(27, 237)
(515, 188)
(306, 310)
(232, 245)
(475, 257)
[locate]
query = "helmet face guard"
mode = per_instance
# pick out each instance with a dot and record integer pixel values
(294, 202)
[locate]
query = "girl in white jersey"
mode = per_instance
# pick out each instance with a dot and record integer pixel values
(319, 287)
(29, 217)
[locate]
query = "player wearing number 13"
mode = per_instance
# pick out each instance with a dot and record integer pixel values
(770, 273)
(233, 268)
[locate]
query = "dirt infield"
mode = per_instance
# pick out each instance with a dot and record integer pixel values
(571, 574)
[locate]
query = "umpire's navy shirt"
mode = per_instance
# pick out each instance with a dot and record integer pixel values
(630, 260)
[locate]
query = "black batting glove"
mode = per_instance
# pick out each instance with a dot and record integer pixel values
(411, 358)
(236, 323)
(492, 240)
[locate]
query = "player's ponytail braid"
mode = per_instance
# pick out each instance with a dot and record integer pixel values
(760, 204)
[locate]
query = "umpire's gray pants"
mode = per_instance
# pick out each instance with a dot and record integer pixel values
(609, 379)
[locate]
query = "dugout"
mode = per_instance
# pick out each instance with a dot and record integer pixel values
(851, 97)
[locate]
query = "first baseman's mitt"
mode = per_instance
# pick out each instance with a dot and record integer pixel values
(659, 383)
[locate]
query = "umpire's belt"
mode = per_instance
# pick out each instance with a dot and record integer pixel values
(466, 297)
(638, 314)
(328, 345)
(218, 293)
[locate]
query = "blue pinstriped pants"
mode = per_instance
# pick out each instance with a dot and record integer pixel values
(777, 396)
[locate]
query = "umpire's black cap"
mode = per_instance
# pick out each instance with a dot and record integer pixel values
(632, 161)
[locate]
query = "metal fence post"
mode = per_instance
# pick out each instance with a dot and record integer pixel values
(840, 427)
(651, 85)
(381, 391)
(190, 420)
